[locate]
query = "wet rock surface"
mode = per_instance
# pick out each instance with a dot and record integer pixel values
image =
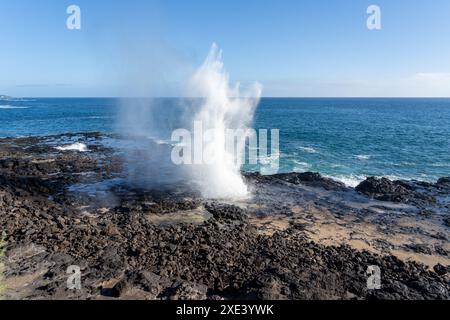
(115, 236)
(397, 191)
(313, 179)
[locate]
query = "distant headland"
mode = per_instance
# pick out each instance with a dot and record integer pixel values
(3, 96)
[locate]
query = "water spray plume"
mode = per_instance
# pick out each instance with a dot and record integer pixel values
(222, 107)
(216, 107)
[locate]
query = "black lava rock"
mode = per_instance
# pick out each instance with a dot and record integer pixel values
(396, 191)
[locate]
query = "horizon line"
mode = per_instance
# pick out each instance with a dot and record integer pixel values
(263, 97)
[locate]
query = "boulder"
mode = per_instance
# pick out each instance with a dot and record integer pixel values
(384, 189)
(312, 179)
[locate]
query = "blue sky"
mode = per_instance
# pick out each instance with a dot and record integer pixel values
(292, 47)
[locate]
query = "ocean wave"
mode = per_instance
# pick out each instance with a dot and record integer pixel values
(269, 159)
(392, 177)
(440, 164)
(77, 146)
(349, 180)
(17, 100)
(92, 117)
(352, 180)
(362, 157)
(299, 166)
(308, 149)
(12, 107)
(300, 163)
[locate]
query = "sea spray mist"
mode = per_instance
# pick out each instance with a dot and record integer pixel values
(222, 107)
(211, 108)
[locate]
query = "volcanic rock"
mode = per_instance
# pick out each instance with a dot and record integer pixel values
(396, 191)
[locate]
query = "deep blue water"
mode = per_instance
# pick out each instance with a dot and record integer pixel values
(344, 138)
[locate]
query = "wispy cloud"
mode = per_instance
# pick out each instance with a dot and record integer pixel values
(420, 84)
(434, 77)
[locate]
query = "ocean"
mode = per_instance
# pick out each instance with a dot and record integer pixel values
(347, 139)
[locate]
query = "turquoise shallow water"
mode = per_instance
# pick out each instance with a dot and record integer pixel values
(347, 139)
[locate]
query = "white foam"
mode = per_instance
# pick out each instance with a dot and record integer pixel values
(77, 146)
(17, 99)
(440, 164)
(393, 177)
(268, 159)
(348, 180)
(12, 107)
(308, 149)
(300, 166)
(362, 157)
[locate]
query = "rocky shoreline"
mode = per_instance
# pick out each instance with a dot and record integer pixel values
(301, 236)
